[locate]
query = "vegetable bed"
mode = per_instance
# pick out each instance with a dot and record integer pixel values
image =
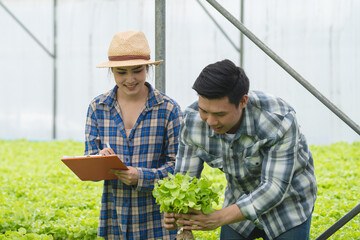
(41, 198)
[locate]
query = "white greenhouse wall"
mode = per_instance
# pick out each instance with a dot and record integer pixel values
(320, 39)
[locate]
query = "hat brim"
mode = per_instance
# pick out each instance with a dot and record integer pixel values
(133, 62)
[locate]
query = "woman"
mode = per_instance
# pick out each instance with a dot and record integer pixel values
(140, 125)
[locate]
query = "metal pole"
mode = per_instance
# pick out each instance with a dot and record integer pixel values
(54, 71)
(52, 55)
(285, 66)
(26, 30)
(241, 34)
(160, 37)
(220, 28)
(341, 222)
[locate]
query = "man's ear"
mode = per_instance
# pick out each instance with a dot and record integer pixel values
(244, 101)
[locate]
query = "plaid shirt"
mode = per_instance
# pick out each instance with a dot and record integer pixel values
(130, 212)
(268, 164)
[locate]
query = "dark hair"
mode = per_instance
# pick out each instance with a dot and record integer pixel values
(222, 79)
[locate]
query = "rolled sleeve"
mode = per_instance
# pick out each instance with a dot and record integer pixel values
(92, 139)
(187, 159)
(247, 209)
(148, 176)
(277, 171)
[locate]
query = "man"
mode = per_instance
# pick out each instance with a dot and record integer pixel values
(255, 139)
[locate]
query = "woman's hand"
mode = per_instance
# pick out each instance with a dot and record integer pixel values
(129, 176)
(106, 151)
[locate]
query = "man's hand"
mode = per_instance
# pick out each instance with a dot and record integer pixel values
(194, 220)
(129, 176)
(197, 220)
(170, 221)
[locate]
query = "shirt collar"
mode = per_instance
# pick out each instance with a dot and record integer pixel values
(155, 97)
(109, 98)
(247, 125)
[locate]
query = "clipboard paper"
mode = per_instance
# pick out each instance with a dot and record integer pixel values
(94, 168)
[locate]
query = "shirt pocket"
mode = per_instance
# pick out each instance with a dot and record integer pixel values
(253, 164)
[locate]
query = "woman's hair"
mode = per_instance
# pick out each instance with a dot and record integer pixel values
(222, 79)
(110, 70)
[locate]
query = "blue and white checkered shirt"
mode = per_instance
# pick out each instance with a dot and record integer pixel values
(268, 164)
(130, 212)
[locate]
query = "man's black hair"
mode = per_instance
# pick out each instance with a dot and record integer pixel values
(222, 79)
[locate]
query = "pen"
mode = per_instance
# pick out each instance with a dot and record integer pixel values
(108, 145)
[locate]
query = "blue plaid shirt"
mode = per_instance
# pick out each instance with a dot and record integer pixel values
(268, 165)
(130, 212)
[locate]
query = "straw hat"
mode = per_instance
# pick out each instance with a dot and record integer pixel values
(128, 49)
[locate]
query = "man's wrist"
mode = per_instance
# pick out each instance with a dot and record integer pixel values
(231, 214)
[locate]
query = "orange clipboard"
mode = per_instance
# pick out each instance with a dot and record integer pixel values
(94, 168)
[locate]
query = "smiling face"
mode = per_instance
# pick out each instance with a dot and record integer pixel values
(130, 80)
(221, 115)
